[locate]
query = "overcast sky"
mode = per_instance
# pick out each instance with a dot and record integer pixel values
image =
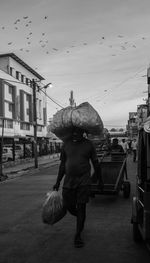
(100, 49)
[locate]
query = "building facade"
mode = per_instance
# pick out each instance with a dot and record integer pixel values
(16, 100)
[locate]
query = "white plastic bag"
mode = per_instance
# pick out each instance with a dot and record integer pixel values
(53, 208)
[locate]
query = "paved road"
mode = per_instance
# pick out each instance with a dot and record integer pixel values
(25, 239)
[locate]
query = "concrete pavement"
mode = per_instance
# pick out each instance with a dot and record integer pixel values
(15, 169)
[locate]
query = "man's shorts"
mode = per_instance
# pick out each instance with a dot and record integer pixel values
(79, 195)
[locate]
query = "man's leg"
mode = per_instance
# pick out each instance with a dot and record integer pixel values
(81, 216)
(69, 199)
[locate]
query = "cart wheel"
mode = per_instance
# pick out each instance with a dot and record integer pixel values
(136, 233)
(126, 189)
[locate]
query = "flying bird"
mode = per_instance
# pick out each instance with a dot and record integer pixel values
(55, 49)
(120, 36)
(25, 17)
(43, 34)
(103, 37)
(9, 43)
(45, 17)
(18, 20)
(30, 33)
(27, 25)
(16, 28)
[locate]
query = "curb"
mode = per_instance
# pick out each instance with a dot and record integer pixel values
(17, 173)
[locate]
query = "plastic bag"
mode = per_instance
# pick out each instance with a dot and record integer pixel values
(53, 208)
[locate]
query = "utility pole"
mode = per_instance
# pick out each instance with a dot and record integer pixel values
(1, 151)
(35, 123)
(148, 82)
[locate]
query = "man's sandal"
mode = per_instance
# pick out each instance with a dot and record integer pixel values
(78, 242)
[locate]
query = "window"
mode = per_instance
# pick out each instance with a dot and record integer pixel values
(39, 128)
(22, 78)
(25, 126)
(10, 90)
(11, 71)
(27, 81)
(10, 107)
(17, 74)
(27, 111)
(8, 124)
(27, 97)
(40, 109)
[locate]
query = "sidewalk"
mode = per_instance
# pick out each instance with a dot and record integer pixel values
(16, 169)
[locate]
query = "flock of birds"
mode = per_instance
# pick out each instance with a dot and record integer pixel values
(28, 24)
(44, 42)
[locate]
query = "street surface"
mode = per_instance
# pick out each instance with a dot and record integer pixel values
(25, 239)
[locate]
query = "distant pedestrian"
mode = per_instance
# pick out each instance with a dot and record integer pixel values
(134, 149)
(129, 146)
(124, 145)
(76, 155)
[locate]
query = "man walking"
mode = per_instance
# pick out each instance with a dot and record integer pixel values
(75, 165)
(134, 149)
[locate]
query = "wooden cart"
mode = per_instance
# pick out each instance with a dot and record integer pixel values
(113, 170)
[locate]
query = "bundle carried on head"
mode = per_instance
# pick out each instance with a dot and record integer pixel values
(83, 116)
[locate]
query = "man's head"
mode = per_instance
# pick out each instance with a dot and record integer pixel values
(77, 134)
(115, 141)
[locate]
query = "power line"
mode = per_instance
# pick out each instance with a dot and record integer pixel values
(58, 104)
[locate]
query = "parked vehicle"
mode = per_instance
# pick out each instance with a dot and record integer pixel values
(141, 201)
(7, 154)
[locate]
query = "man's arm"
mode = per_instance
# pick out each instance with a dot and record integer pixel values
(61, 171)
(96, 166)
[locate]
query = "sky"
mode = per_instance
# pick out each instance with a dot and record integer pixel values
(99, 49)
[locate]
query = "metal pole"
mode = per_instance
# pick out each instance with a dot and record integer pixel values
(35, 124)
(1, 154)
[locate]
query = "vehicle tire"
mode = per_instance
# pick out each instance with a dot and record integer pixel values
(137, 237)
(126, 189)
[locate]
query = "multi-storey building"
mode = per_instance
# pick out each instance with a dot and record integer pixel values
(16, 99)
(132, 128)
